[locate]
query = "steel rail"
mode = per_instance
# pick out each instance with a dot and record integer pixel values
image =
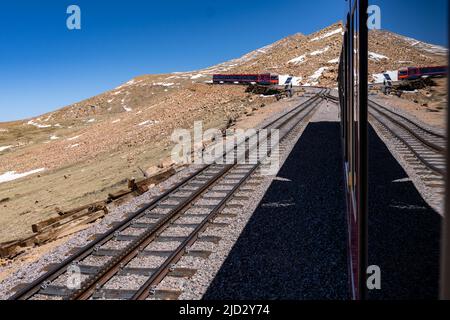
(408, 145)
(85, 251)
(34, 288)
(145, 290)
(134, 248)
(431, 145)
(431, 132)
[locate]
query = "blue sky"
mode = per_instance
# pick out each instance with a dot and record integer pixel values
(45, 66)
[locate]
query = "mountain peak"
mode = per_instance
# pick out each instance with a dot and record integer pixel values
(311, 59)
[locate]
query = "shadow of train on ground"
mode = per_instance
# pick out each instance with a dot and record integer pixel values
(294, 246)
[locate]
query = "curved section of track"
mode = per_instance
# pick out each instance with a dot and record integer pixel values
(426, 145)
(430, 138)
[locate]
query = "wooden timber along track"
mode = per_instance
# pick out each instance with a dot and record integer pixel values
(193, 204)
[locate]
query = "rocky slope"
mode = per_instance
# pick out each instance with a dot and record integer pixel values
(149, 107)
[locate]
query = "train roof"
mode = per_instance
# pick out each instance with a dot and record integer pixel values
(407, 68)
(244, 74)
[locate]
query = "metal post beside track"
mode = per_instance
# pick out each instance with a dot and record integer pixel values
(353, 90)
(445, 243)
(363, 148)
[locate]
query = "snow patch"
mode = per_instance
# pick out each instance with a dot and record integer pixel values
(12, 175)
(239, 61)
(117, 120)
(5, 148)
(296, 81)
(380, 77)
(127, 109)
(32, 123)
(164, 84)
(73, 138)
(317, 52)
(431, 48)
(144, 123)
(90, 120)
(376, 56)
(298, 60)
(314, 78)
(54, 137)
(326, 35)
(175, 77)
(197, 76)
(334, 60)
(148, 122)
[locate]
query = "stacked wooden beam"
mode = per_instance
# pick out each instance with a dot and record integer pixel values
(74, 220)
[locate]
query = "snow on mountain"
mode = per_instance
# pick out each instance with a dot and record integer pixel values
(431, 48)
(328, 34)
(298, 60)
(310, 59)
(376, 56)
(317, 52)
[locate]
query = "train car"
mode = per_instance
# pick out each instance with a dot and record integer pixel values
(353, 94)
(413, 73)
(261, 79)
(274, 79)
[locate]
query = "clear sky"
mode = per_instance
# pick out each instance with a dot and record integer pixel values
(44, 66)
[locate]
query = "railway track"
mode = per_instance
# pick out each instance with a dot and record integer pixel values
(426, 145)
(131, 251)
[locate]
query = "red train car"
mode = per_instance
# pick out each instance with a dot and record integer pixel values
(262, 79)
(412, 73)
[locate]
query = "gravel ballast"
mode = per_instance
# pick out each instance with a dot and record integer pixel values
(30, 272)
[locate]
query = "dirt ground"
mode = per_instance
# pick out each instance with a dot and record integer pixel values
(90, 160)
(33, 199)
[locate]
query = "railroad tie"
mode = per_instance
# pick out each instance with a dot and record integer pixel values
(121, 294)
(152, 253)
(55, 291)
(176, 272)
